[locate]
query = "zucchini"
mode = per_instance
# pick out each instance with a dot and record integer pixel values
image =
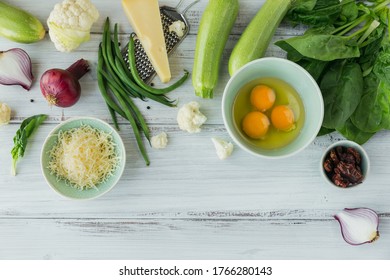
(258, 34)
(214, 29)
(19, 26)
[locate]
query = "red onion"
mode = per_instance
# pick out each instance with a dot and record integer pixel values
(15, 68)
(358, 225)
(61, 87)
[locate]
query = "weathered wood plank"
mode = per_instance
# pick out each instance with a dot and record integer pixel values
(181, 238)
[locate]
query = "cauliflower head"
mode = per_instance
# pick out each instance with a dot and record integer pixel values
(190, 118)
(70, 23)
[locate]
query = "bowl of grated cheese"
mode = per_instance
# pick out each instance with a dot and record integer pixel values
(83, 158)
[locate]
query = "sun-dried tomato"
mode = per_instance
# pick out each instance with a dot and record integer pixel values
(350, 172)
(338, 180)
(343, 166)
(333, 156)
(355, 153)
(328, 166)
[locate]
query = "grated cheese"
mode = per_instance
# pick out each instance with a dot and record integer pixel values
(84, 157)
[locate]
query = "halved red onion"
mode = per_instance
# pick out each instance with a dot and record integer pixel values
(15, 68)
(358, 225)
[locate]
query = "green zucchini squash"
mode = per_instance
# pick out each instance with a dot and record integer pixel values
(214, 29)
(258, 34)
(18, 25)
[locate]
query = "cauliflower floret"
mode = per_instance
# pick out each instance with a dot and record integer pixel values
(159, 141)
(178, 27)
(190, 118)
(224, 149)
(5, 114)
(70, 23)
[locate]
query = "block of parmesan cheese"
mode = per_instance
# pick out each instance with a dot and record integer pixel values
(144, 17)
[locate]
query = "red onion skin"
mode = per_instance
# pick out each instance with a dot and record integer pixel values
(61, 87)
(27, 65)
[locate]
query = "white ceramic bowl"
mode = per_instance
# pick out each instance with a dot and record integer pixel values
(299, 79)
(365, 160)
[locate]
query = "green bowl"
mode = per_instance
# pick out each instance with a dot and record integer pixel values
(299, 79)
(60, 186)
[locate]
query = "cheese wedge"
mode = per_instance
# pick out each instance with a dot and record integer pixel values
(144, 17)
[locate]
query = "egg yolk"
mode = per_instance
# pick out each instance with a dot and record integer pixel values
(282, 117)
(262, 97)
(255, 125)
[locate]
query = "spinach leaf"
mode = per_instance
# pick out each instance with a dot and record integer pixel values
(325, 131)
(349, 12)
(382, 62)
(323, 12)
(341, 87)
(325, 30)
(351, 132)
(321, 46)
(27, 128)
(347, 50)
(302, 6)
(369, 53)
(292, 54)
(326, 4)
(376, 99)
(314, 67)
(373, 111)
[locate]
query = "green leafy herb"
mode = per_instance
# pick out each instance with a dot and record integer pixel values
(341, 87)
(350, 131)
(373, 112)
(316, 12)
(323, 47)
(27, 128)
(324, 131)
(347, 50)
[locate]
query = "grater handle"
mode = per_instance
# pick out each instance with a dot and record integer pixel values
(187, 7)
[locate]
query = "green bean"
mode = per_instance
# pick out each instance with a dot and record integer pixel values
(133, 107)
(109, 59)
(140, 82)
(131, 119)
(107, 47)
(126, 114)
(122, 71)
(119, 72)
(118, 85)
(102, 86)
(118, 51)
(159, 98)
(110, 103)
(113, 117)
(134, 126)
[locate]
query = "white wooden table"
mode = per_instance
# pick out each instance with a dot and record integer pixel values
(187, 204)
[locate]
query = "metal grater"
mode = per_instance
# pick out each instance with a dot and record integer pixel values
(168, 16)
